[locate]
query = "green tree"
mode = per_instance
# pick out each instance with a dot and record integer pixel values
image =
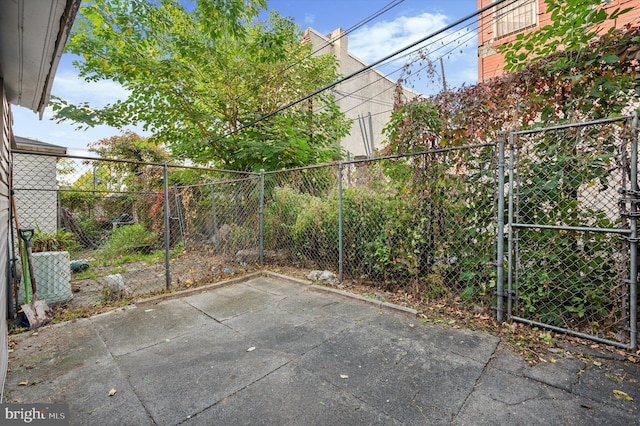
(200, 81)
(132, 147)
(574, 26)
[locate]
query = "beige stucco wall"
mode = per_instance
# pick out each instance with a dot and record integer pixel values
(368, 93)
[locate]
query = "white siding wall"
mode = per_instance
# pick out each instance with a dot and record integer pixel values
(36, 207)
(5, 135)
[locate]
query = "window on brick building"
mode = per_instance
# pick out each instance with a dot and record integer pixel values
(514, 17)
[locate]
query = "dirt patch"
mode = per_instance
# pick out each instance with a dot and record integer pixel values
(140, 279)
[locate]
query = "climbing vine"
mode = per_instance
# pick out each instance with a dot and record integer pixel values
(567, 277)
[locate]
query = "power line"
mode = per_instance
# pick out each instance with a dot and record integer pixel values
(460, 38)
(467, 36)
(382, 11)
(362, 70)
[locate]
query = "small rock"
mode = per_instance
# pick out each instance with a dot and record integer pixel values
(477, 309)
(314, 275)
(324, 277)
(247, 256)
(113, 287)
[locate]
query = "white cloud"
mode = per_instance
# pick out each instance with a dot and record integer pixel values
(376, 41)
(457, 47)
(72, 88)
(309, 19)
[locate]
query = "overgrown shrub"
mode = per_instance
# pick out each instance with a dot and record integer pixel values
(59, 240)
(315, 235)
(95, 228)
(281, 214)
(77, 201)
(241, 238)
(130, 239)
(569, 276)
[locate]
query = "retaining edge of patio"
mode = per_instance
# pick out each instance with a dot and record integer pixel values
(386, 306)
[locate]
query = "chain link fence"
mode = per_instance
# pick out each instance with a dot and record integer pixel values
(301, 218)
(544, 232)
(571, 263)
(216, 225)
(425, 221)
(97, 228)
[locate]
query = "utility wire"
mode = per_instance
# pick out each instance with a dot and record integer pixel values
(382, 11)
(366, 68)
(460, 38)
(467, 36)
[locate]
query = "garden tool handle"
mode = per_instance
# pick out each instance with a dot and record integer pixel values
(26, 234)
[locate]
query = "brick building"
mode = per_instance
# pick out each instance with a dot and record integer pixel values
(501, 24)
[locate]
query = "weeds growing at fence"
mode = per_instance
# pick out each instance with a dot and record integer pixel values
(571, 278)
(423, 225)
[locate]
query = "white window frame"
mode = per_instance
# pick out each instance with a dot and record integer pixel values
(514, 18)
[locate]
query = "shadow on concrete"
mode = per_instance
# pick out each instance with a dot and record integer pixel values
(271, 350)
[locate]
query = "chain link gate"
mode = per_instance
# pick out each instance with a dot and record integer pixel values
(572, 230)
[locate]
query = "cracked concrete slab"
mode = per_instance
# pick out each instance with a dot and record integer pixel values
(232, 301)
(504, 398)
(562, 374)
(292, 396)
(150, 324)
(273, 351)
(198, 370)
(86, 390)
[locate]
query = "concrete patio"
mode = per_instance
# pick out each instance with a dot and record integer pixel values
(271, 350)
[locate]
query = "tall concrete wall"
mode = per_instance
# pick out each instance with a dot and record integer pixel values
(36, 208)
(369, 94)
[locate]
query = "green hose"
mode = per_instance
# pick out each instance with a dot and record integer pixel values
(26, 279)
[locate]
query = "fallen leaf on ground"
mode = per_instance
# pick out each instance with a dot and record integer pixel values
(612, 377)
(622, 395)
(112, 392)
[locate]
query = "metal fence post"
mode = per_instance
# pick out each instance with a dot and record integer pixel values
(500, 220)
(340, 252)
(215, 220)
(167, 213)
(261, 213)
(633, 240)
(178, 204)
(59, 212)
(510, 264)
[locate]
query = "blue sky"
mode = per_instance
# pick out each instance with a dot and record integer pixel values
(405, 23)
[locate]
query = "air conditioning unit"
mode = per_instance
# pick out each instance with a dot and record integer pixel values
(53, 277)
